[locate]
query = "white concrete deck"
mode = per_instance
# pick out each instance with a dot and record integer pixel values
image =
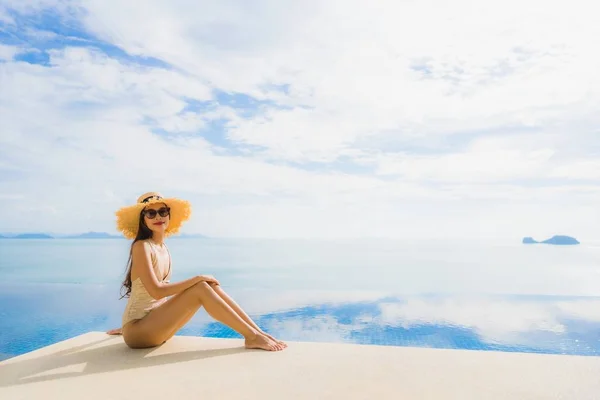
(97, 366)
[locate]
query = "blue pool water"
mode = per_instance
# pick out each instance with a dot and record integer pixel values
(477, 297)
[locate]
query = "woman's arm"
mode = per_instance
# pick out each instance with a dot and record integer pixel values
(142, 261)
(169, 289)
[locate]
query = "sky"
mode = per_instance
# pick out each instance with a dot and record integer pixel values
(315, 119)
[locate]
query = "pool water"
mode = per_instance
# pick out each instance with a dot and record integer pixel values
(377, 295)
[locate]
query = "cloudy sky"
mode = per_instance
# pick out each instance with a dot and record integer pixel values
(313, 118)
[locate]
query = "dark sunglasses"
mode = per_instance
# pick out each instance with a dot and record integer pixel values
(151, 213)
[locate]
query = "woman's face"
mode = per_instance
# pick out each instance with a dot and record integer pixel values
(161, 214)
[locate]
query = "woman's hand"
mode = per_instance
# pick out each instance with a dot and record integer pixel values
(208, 279)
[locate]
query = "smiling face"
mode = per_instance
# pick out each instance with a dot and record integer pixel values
(156, 217)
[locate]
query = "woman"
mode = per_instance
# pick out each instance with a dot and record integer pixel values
(157, 309)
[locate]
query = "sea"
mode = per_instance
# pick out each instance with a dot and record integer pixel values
(439, 294)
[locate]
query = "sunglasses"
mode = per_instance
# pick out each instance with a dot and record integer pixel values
(151, 213)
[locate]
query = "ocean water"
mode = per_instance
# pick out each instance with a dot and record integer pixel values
(475, 296)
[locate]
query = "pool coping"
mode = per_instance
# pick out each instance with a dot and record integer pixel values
(97, 366)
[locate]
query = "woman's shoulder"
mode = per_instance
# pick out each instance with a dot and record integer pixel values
(143, 249)
(141, 245)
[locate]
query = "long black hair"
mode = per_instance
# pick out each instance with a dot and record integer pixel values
(143, 233)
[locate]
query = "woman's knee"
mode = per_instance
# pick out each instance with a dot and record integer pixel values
(201, 288)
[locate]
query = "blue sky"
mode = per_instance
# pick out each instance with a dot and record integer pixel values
(286, 121)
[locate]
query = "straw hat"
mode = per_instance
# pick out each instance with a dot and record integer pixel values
(128, 218)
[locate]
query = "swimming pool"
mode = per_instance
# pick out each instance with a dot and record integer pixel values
(52, 295)
(37, 315)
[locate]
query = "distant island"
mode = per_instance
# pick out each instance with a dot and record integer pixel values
(93, 235)
(28, 236)
(38, 235)
(87, 235)
(556, 240)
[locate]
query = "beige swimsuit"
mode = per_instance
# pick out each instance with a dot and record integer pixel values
(140, 302)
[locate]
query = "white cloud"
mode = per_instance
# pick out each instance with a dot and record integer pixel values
(472, 120)
(583, 169)
(285, 134)
(491, 66)
(10, 196)
(485, 159)
(501, 159)
(8, 52)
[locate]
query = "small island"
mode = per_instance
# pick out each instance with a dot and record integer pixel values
(560, 240)
(31, 236)
(93, 235)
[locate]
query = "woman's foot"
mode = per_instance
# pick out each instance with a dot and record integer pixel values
(279, 342)
(260, 341)
(116, 331)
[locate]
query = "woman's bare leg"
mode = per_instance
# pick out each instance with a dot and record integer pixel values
(184, 320)
(163, 322)
(235, 307)
(227, 299)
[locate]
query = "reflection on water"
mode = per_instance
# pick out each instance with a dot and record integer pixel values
(33, 316)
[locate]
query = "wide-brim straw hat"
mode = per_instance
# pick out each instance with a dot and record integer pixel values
(128, 217)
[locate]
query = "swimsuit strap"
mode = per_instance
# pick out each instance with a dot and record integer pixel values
(169, 271)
